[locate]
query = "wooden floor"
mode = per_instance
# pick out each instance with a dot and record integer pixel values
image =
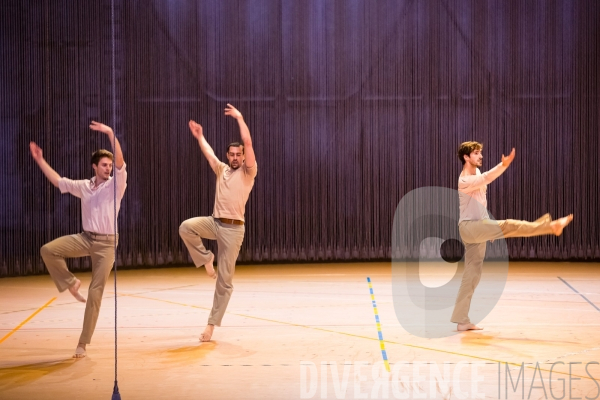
(299, 331)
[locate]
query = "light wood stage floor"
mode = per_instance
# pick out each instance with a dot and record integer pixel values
(299, 331)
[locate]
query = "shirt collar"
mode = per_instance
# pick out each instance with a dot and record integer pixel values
(93, 183)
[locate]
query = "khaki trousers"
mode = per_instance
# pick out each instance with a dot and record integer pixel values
(474, 235)
(229, 241)
(102, 253)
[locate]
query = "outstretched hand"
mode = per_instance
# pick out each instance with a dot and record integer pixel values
(36, 152)
(232, 111)
(97, 126)
(196, 129)
(508, 159)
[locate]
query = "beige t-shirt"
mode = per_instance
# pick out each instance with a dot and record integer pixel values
(233, 189)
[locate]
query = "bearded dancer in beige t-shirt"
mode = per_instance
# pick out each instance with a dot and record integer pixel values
(226, 225)
(476, 227)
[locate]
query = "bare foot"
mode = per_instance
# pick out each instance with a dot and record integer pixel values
(80, 351)
(210, 270)
(467, 327)
(558, 225)
(74, 289)
(207, 334)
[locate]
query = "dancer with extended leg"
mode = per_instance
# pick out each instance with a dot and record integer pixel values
(476, 227)
(98, 237)
(234, 183)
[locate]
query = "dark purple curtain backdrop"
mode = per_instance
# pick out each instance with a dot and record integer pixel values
(351, 105)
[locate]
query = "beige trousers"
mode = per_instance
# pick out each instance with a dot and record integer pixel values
(474, 235)
(102, 253)
(229, 241)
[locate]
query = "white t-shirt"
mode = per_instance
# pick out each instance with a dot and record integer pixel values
(472, 190)
(97, 203)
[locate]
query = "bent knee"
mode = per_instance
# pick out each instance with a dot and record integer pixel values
(46, 251)
(184, 228)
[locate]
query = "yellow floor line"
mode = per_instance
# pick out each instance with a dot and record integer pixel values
(27, 320)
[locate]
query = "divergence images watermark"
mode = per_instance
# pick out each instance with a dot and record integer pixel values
(462, 380)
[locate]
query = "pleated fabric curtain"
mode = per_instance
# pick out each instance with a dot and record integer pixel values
(351, 105)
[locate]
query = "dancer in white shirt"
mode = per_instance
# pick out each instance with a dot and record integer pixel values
(98, 237)
(476, 227)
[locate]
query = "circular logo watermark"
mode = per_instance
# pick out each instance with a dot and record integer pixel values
(428, 264)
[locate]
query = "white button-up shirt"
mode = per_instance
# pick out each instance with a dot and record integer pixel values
(98, 203)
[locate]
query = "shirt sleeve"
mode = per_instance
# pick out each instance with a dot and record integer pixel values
(220, 168)
(67, 185)
(251, 172)
(471, 183)
(121, 177)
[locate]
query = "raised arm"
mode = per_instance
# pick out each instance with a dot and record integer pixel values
(114, 142)
(244, 134)
(37, 155)
(469, 183)
(208, 152)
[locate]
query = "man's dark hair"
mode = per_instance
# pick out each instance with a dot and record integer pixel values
(100, 154)
(235, 144)
(466, 149)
